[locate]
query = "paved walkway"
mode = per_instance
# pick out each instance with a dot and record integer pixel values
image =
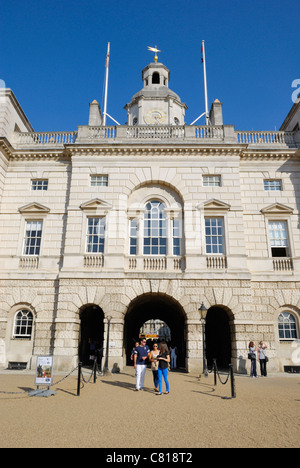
(111, 414)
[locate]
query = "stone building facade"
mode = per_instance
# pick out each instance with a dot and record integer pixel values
(105, 228)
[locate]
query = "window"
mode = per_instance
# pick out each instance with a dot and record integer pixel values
(33, 237)
(99, 181)
(212, 181)
(214, 236)
(273, 185)
(176, 237)
(23, 324)
(155, 229)
(133, 236)
(95, 235)
(287, 326)
(155, 78)
(39, 184)
(278, 238)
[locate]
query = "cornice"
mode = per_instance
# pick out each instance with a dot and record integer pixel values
(162, 150)
(145, 150)
(39, 155)
(5, 146)
(270, 155)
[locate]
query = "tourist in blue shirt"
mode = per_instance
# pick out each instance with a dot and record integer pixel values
(141, 354)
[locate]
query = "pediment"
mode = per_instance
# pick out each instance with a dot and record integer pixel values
(33, 208)
(96, 205)
(217, 205)
(277, 208)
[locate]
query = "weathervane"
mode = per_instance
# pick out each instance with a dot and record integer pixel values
(154, 49)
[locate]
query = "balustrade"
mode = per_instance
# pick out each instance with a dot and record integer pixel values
(265, 138)
(283, 264)
(90, 134)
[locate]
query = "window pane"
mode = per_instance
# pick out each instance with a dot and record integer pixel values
(273, 185)
(155, 234)
(212, 181)
(95, 235)
(278, 234)
(41, 184)
(214, 236)
(99, 181)
(33, 235)
(287, 326)
(23, 324)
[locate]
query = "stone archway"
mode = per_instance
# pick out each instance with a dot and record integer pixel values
(156, 306)
(218, 337)
(91, 329)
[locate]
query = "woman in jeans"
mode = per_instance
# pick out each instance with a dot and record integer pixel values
(154, 365)
(163, 367)
(252, 351)
(262, 359)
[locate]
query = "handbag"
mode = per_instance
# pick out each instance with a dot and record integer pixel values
(251, 356)
(267, 359)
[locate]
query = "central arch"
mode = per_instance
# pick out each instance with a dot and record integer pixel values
(218, 337)
(151, 307)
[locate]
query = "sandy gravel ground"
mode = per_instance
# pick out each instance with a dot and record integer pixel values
(109, 413)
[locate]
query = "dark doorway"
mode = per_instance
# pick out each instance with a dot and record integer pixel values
(151, 307)
(91, 330)
(218, 338)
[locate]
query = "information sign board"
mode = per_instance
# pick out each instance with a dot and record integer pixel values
(44, 370)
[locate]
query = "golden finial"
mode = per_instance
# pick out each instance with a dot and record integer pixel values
(154, 49)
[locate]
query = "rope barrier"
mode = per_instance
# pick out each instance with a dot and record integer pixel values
(229, 376)
(80, 377)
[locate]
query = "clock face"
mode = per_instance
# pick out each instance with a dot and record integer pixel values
(155, 117)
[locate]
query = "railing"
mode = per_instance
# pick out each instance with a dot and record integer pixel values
(93, 261)
(29, 262)
(209, 132)
(283, 264)
(265, 138)
(141, 263)
(124, 133)
(45, 138)
(102, 133)
(153, 132)
(155, 263)
(216, 262)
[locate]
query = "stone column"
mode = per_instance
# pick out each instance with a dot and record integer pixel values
(113, 345)
(194, 345)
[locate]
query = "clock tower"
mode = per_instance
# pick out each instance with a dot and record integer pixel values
(156, 104)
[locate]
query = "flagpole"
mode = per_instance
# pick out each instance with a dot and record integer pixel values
(205, 83)
(106, 84)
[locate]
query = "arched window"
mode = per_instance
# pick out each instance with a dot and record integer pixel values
(155, 78)
(23, 324)
(155, 229)
(287, 326)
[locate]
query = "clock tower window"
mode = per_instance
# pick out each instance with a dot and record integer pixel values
(155, 78)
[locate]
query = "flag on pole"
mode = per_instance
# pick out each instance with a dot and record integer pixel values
(107, 55)
(202, 50)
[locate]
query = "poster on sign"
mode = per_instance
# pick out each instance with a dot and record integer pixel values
(44, 370)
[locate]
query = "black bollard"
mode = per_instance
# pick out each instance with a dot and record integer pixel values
(95, 370)
(215, 372)
(79, 378)
(233, 393)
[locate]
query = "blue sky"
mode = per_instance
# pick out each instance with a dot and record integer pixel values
(52, 56)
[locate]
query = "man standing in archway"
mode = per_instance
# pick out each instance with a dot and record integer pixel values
(141, 354)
